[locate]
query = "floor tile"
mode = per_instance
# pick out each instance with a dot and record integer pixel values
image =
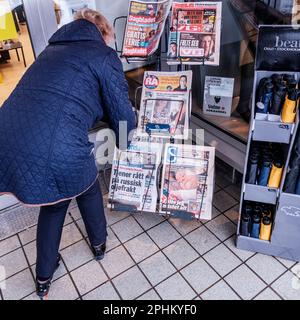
(222, 181)
(222, 259)
(245, 282)
(296, 269)
(233, 214)
(184, 226)
(105, 292)
(148, 220)
(69, 236)
(202, 240)
(131, 283)
(13, 262)
(267, 267)
(30, 251)
(220, 291)
(234, 190)
(114, 216)
(141, 247)
(180, 253)
(223, 201)
(157, 268)
(19, 286)
(88, 277)
(267, 294)
(61, 271)
(242, 254)
(9, 245)
(68, 219)
(75, 213)
(175, 288)
(126, 229)
(163, 234)
(28, 235)
(287, 263)
(116, 261)
(81, 226)
(288, 286)
(76, 255)
(221, 227)
(111, 241)
(200, 275)
(150, 295)
(63, 289)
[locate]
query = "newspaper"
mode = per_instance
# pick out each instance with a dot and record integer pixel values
(195, 33)
(165, 104)
(134, 177)
(187, 180)
(144, 27)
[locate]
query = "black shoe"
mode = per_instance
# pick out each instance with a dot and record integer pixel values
(42, 287)
(99, 251)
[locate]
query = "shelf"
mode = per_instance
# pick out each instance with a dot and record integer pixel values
(272, 131)
(253, 192)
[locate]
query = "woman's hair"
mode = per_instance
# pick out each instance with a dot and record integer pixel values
(99, 21)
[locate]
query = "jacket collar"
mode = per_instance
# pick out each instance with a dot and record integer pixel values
(78, 30)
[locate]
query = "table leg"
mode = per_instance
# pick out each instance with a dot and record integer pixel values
(23, 57)
(18, 54)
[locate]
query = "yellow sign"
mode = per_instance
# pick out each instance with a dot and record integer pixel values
(7, 25)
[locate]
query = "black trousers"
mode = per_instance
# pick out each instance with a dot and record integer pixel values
(50, 226)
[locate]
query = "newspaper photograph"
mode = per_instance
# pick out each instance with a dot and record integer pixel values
(134, 177)
(165, 104)
(195, 33)
(144, 27)
(187, 180)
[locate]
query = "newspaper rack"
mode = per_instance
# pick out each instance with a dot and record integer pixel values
(176, 214)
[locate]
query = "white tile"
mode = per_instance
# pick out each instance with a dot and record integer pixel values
(221, 227)
(13, 262)
(30, 251)
(222, 259)
(116, 261)
(75, 213)
(287, 263)
(63, 289)
(200, 275)
(267, 294)
(288, 286)
(9, 245)
(141, 247)
(28, 235)
(220, 291)
(175, 288)
(267, 267)
(184, 226)
(76, 255)
(242, 254)
(223, 201)
(233, 214)
(88, 277)
(19, 286)
(111, 240)
(180, 253)
(114, 216)
(163, 234)
(234, 190)
(127, 229)
(157, 268)
(105, 292)
(202, 240)
(148, 220)
(245, 282)
(150, 295)
(131, 284)
(70, 235)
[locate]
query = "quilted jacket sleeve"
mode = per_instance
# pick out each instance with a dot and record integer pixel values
(114, 90)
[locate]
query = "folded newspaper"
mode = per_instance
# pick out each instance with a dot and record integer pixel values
(133, 184)
(195, 33)
(187, 180)
(144, 27)
(165, 104)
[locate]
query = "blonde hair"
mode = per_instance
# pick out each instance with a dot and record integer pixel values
(99, 21)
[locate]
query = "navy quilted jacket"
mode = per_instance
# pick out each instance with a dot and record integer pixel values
(45, 155)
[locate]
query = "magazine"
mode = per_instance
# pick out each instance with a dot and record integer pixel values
(165, 104)
(187, 180)
(144, 27)
(134, 177)
(195, 33)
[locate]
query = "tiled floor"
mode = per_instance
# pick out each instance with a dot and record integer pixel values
(150, 257)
